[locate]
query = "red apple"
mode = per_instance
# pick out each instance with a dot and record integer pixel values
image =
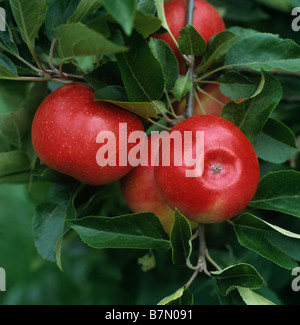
(206, 20)
(141, 194)
(230, 172)
(65, 129)
(210, 106)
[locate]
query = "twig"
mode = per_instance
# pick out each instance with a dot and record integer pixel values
(190, 95)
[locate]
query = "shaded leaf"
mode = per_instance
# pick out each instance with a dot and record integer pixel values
(141, 72)
(239, 275)
(49, 220)
(279, 191)
(123, 12)
(181, 240)
(29, 16)
(264, 51)
(276, 143)
(272, 242)
(190, 42)
(87, 42)
(139, 231)
(251, 114)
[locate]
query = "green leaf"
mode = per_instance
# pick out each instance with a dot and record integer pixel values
(161, 15)
(236, 86)
(215, 48)
(86, 43)
(167, 59)
(182, 86)
(13, 162)
(85, 8)
(274, 243)
(181, 297)
(7, 68)
(279, 191)
(123, 12)
(239, 275)
(143, 109)
(49, 220)
(15, 125)
(141, 72)
(139, 231)
(29, 16)
(181, 240)
(190, 42)
(7, 44)
(252, 298)
(146, 24)
(58, 14)
(276, 143)
(264, 51)
(251, 114)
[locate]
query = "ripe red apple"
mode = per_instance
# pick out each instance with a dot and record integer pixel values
(210, 106)
(230, 172)
(65, 129)
(140, 191)
(206, 20)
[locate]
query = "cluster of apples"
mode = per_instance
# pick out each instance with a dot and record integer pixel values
(66, 125)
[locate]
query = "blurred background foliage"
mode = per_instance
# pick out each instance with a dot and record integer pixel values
(93, 276)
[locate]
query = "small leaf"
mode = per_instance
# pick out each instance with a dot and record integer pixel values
(29, 16)
(167, 59)
(87, 42)
(239, 275)
(181, 297)
(215, 48)
(139, 231)
(182, 86)
(181, 237)
(279, 191)
(190, 42)
(274, 243)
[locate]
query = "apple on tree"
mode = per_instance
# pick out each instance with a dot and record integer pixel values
(65, 129)
(141, 193)
(230, 174)
(206, 20)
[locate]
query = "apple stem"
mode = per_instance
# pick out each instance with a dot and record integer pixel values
(190, 63)
(201, 266)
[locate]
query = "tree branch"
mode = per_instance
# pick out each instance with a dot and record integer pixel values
(190, 64)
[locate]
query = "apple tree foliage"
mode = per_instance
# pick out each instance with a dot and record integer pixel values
(107, 44)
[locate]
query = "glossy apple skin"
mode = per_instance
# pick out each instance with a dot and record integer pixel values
(210, 106)
(206, 20)
(65, 128)
(141, 194)
(220, 193)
